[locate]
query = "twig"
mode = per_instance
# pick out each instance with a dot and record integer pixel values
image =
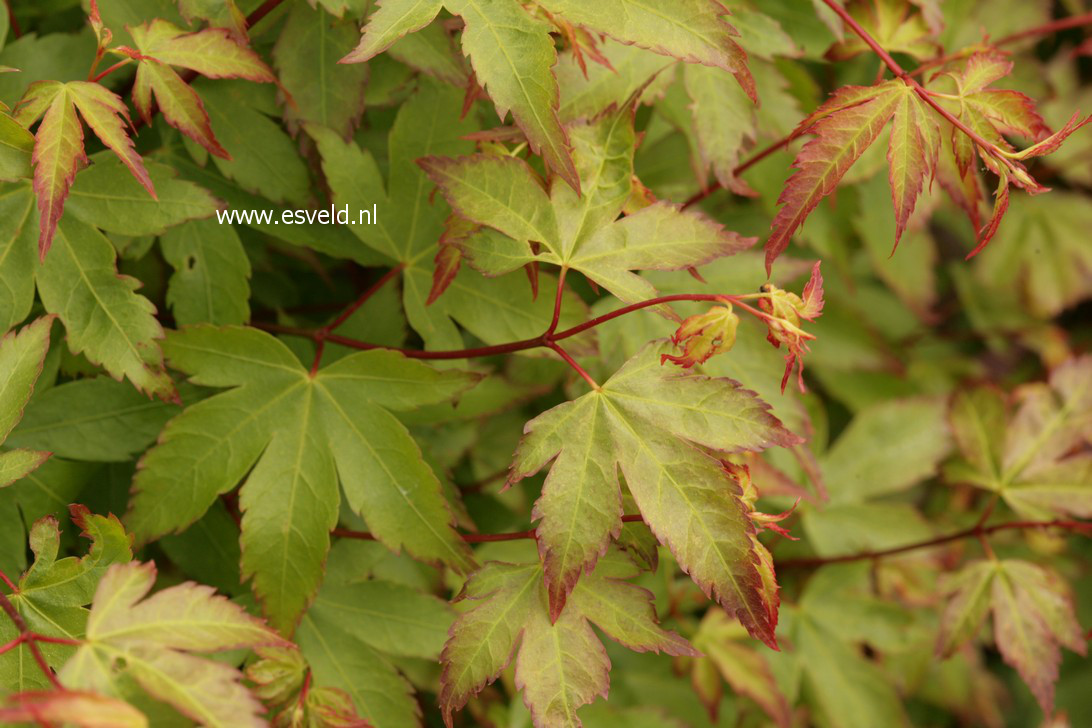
(542, 340)
(29, 638)
(13, 21)
(322, 334)
(891, 63)
(743, 167)
(978, 531)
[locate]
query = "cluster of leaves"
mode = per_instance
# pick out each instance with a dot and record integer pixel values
(517, 444)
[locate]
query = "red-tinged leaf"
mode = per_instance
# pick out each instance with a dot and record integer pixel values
(840, 140)
(58, 153)
(981, 70)
(813, 294)
(843, 98)
(1000, 207)
(391, 20)
(107, 115)
(211, 52)
(1033, 618)
(965, 190)
(447, 262)
(1052, 142)
(182, 108)
(914, 144)
(71, 707)
(102, 33)
(1010, 112)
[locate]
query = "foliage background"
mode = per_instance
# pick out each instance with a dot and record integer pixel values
(946, 397)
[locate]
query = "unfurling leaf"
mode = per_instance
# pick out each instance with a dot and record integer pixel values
(706, 335)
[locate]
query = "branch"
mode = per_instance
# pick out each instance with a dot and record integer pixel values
(542, 340)
(910, 81)
(979, 531)
(15, 29)
(29, 638)
(322, 334)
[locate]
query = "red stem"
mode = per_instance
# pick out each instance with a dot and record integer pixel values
(573, 363)
(898, 70)
(4, 578)
(15, 29)
(111, 69)
(28, 637)
(978, 531)
(543, 339)
(1074, 21)
(321, 335)
(755, 159)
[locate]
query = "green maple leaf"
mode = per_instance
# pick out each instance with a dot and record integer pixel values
(524, 223)
(354, 632)
(513, 55)
(560, 663)
(657, 426)
(22, 355)
(1031, 458)
(58, 146)
(324, 92)
(495, 310)
(106, 320)
(292, 435)
(149, 640)
(52, 595)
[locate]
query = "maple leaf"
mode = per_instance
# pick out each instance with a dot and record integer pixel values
(652, 424)
(844, 127)
(292, 436)
(561, 664)
(412, 222)
(358, 633)
(1033, 458)
(1033, 619)
(211, 52)
(72, 708)
(149, 640)
(721, 642)
(58, 145)
(512, 53)
(51, 596)
(505, 196)
(22, 355)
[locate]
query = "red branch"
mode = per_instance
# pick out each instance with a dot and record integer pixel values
(891, 63)
(15, 29)
(321, 335)
(29, 637)
(542, 340)
(1075, 21)
(978, 531)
